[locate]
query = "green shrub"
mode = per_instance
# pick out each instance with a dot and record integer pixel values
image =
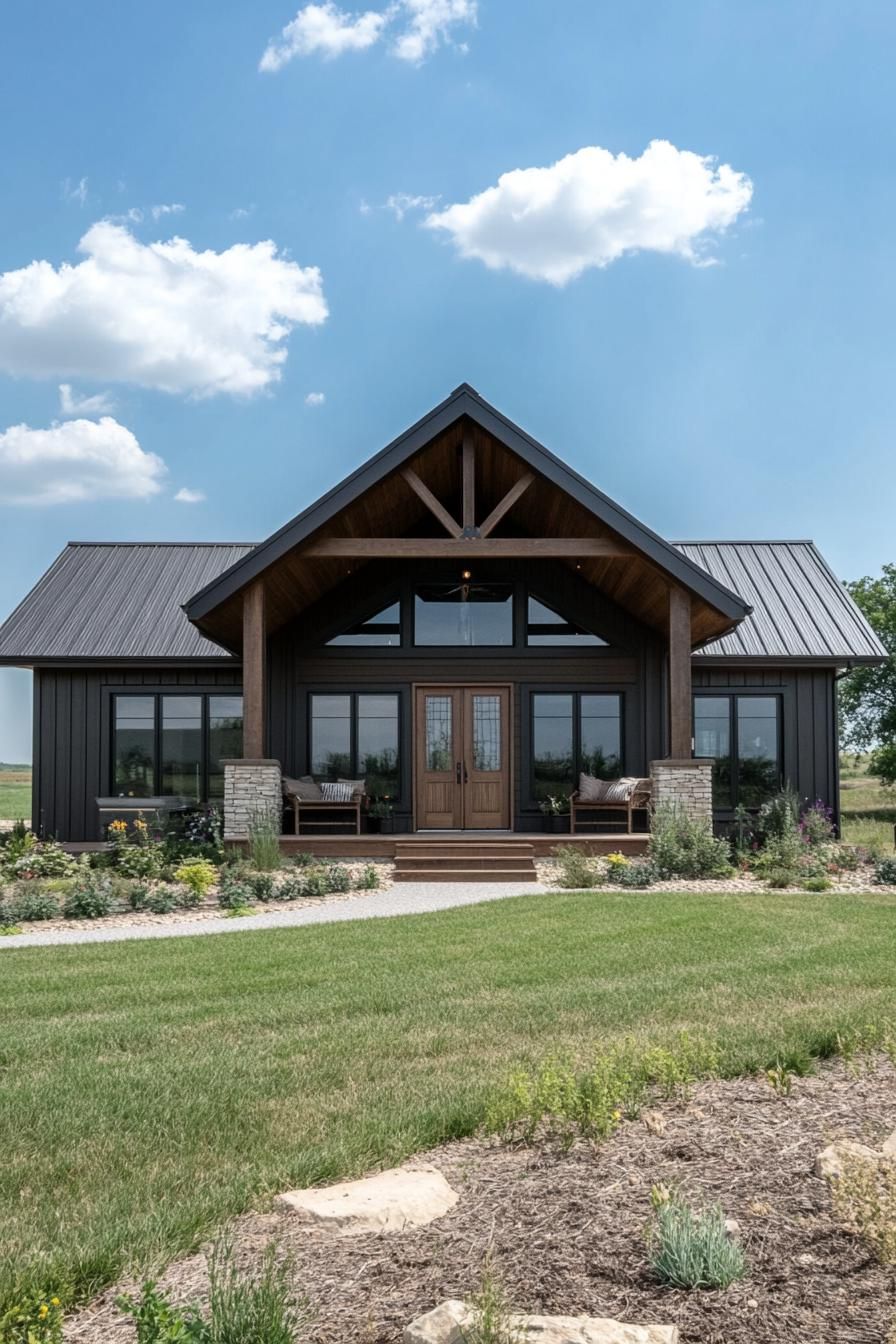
(234, 893)
(89, 898)
(264, 841)
(29, 904)
(46, 859)
(368, 879)
(781, 879)
(492, 1316)
(778, 816)
(290, 889)
(786, 851)
(885, 872)
(253, 1310)
(575, 870)
(816, 884)
(162, 899)
(33, 1321)
(261, 886)
(316, 882)
(684, 846)
(339, 878)
(817, 825)
(198, 876)
(158, 1322)
(138, 860)
(304, 860)
(693, 1250)
(637, 875)
(138, 895)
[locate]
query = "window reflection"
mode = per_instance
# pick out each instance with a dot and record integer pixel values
(472, 615)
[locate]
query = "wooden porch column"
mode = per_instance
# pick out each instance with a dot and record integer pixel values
(681, 715)
(254, 672)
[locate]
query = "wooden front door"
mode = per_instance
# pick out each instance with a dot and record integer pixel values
(462, 750)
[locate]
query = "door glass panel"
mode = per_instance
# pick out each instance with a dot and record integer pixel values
(474, 615)
(331, 736)
(439, 732)
(134, 746)
(601, 736)
(712, 741)
(546, 626)
(758, 766)
(225, 738)
(378, 744)
(182, 745)
(486, 732)
(552, 745)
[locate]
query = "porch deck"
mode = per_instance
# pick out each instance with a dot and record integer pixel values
(540, 844)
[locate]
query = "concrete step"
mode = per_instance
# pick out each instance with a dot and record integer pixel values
(464, 875)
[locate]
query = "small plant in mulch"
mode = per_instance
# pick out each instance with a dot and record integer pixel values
(575, 870)
(91, 897)
(690, 1249)
(885, 872)
(368, 879)
(198, 876)
(32, 1321)
(864, 1200)
(492, 1316)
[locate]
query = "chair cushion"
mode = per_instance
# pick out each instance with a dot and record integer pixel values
(305, 789)
(593, 790)
(336, 793)
(358, 785)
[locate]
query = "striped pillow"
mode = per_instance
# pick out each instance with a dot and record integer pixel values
(336, 793)
(593, 790)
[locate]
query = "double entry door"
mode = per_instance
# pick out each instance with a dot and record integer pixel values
(462, 765)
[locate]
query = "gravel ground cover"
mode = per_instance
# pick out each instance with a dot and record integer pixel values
(566, 1229)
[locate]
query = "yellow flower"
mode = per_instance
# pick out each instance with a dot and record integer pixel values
(54, 1302)
(44, 1311)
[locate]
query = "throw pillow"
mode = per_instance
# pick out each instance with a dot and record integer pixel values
(336, 793)
(305, 789)
(358, 785)
(620, 790)
(592, 790)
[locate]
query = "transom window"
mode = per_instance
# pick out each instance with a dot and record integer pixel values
(574, 732)
(356, 736)
(544, 625)
(173, 744)
(472, 615)
(382, 630)
(741, 734)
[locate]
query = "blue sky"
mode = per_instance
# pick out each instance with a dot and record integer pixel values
(753, 397)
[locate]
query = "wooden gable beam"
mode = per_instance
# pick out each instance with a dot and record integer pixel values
(468, 486)
(422, 491)
(513, 494)
(465, 548)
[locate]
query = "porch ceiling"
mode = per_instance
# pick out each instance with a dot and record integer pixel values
(557, 504)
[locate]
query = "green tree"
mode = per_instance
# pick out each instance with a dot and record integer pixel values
(868, 694)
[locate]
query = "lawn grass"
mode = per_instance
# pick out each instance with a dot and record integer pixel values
(15, 792)
(151, 1089)
(868, 810)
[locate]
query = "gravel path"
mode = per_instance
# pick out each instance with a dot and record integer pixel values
(405, 898)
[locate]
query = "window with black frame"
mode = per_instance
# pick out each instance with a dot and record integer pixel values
(464, 614)
(574, 732)
(355, 735)
(741, 734)
(170, 744)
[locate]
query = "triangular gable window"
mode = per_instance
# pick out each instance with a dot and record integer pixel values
(382, 630)
(544, 625)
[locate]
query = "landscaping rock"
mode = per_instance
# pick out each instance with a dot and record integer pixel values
(888, 1147)
(388, 1202)
(833, 1160)
(449, 1322)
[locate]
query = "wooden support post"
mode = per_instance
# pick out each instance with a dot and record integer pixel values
(468, 475)
(254, 672)
(681, 715)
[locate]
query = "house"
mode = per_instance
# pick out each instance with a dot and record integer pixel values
(465, 624)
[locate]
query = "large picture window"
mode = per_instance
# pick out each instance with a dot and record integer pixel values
(356, 736)
(471, 615)
(172, 745)
(573, 732)
(741, 734)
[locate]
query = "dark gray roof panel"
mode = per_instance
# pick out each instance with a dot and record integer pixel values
(800, 610)
(108, 601)
(117, 600)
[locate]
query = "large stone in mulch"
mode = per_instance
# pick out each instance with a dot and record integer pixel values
(450, 1321)
(388, 1202)
(888, 1147)
(832, 1161)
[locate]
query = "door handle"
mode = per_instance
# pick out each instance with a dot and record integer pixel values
(457, 770)
(466, 776)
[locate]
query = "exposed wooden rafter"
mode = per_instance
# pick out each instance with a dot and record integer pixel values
(465, 548)
(468, 486)
(513, 494)
(436, 508)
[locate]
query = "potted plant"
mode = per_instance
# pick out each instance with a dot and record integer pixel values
(555, 811)
(378, 809)
(386, 814)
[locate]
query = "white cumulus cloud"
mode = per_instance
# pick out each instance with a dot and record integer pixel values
(157, 211)
(418, 28)
(592, 207)
(70, 404)
(161, 315)
(400, 202)
(77, 460)
(315, 399)
(324, 30)
(429, 25)
(187, 496)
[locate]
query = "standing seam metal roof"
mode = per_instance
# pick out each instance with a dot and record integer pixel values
(123, 600)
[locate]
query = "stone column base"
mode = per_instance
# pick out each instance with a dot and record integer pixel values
(687, 784)
(252, 790)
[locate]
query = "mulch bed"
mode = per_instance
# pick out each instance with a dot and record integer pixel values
(566, 1228)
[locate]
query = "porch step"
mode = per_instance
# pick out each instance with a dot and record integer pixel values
(463, 860)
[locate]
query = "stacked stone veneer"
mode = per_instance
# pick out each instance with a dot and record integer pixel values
(686, 783)
(252, 789)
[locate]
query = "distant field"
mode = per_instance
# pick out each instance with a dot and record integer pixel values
(15, 792)
(868, 809)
